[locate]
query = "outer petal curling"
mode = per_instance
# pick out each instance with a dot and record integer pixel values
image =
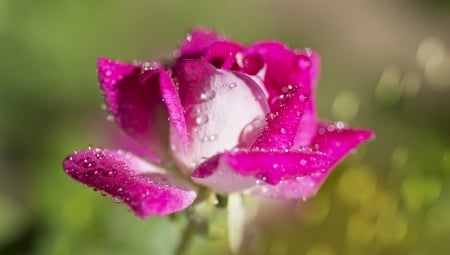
(286, 67)
(133, 97)
(141, 97)
(145, 188)
(222, 54)
(335, 140)
(197, 42)
(218, 105)
(266, 166)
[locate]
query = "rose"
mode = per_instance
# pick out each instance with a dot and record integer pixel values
(225, 116)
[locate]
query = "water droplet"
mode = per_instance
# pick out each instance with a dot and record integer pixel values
(110, 117)
(340, 125)
(202, 119)
(110, 173)
(147, 66)
(303, 62)
(116, 199)
(232, 85)
(303, 97)
(87, 163)
(207, 95)
(303, 162)
(210, 138)
(283, 131)
(99, 155)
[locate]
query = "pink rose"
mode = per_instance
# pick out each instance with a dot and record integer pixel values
(226, 116)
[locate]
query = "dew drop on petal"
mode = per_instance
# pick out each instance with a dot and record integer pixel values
(303, 162)
(303, 62)
(202, 119)
(116, 199)
(208, 95)
(340, 125)
(303, 97)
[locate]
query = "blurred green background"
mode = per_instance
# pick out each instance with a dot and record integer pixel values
(386, 66)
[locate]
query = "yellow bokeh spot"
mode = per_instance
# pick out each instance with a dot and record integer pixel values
(418, 190)
(437, 219)
(357, 184)
(434, 58)
(388, 90)
(345, 105)
(391, 229)
(360, 229)
(380, 204)
(411, 83)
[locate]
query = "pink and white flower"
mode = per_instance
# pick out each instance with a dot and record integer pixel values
(230, 117)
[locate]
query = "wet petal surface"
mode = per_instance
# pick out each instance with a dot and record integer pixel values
(283, 121)
(133, 97)
(337, 140)
(197, 42)
(145, 188)
(218, 105)
(264, 166)
(333, 139)
(286, 67)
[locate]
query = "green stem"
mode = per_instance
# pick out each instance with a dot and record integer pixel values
(186, 238)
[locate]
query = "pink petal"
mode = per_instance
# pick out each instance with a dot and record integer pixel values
(222, 54)
(286, 67)
(283, 121)
(197, 42)
(333, 139)
(145, 188)
(141, 97)
(218, 105)
(173, 103)
(300, 187)
(338, 140)
(266, 166)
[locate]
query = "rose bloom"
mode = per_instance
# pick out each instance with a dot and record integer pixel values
(222, 115)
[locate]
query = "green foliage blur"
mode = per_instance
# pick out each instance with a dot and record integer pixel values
(385, 66)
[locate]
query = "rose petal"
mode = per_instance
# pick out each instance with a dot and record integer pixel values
(222, 54)
(142, 97)
(283, 121)
(286, 67)
(333, 139)
(197, 42)
(133, 98)
(145, 188)
(218, 105)
(300, 187)
(337, 140)
(234, 171)
(176, 112)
